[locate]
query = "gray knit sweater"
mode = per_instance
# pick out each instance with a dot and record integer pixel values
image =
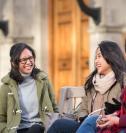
(28, 102)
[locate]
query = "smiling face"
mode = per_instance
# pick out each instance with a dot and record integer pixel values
(101, 65)
(26, 62)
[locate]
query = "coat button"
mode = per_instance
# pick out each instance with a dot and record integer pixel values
(18, 111)
(14, 111)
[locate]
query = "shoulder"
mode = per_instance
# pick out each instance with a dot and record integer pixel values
(6, 81)
(42, 75)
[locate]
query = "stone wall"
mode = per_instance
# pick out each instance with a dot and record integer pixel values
(111, 27)
(27, 23)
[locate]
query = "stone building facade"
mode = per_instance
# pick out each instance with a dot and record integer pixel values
(28, 22)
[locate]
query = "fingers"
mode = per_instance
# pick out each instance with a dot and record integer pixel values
(109, 120)
(101, 121)
(106, 124)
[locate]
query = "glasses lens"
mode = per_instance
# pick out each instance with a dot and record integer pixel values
(24, 60)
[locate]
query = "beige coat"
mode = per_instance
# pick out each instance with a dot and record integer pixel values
(89, 101)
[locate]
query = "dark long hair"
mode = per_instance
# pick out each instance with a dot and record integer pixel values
(115, 58)
(15, 53)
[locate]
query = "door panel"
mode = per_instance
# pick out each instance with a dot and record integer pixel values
(68, 44)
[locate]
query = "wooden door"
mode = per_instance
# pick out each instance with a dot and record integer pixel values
(68, 44)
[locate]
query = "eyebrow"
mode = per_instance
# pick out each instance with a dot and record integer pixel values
(26, 57)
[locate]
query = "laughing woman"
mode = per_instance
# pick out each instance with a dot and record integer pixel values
(103, 84)
(25, 94)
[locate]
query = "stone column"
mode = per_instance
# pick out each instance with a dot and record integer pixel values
(5, 41)
(30, 26)
(4, 55)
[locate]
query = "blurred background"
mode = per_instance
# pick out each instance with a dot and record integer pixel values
(64, 34)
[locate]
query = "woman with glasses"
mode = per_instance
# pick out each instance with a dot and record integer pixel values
(25, 95)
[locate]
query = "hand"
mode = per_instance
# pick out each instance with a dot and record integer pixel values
(110, 108)
(109, 120)
(100, 120)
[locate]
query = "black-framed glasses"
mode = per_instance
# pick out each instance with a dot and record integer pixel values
(24, 60)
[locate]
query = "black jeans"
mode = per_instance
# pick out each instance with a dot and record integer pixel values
(36, 128)
(64, 126)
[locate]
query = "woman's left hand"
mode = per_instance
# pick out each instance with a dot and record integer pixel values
(108, 121)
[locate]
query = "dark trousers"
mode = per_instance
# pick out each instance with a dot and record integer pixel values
(64, 126)
(36, 128)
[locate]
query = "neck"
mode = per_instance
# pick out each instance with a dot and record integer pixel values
(25, 74)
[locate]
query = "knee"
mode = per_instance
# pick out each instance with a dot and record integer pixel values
(91, 119)
(55, 126)
(58, 122)
(37, 128)
(89, 123)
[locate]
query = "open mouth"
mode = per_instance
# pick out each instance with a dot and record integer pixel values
(28, 66)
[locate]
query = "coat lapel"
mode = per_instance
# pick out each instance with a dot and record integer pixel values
(39, 86)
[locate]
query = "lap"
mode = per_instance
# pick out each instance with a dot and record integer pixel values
(88, 125)
(91, 119)
(64, 126)
(65, 123)
(36, 128)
